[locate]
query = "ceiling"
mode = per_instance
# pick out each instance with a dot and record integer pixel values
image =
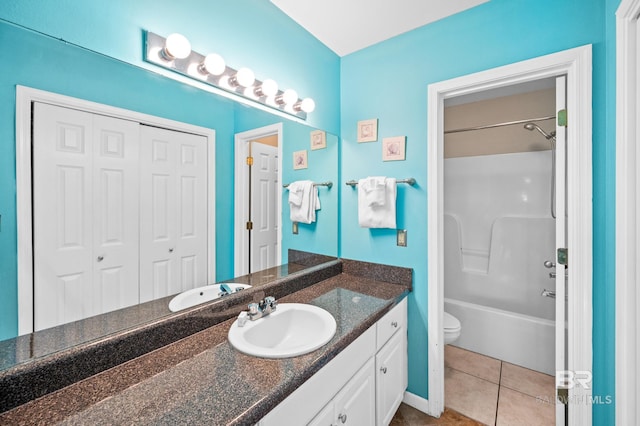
(346, 26)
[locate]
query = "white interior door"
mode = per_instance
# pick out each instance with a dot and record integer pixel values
(173, 208)
(85, 226)
(264, 209)
(561, 243)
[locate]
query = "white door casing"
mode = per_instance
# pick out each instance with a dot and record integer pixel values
(85, 214)
(25, 97)
(576, 65)
(264, 211)
(173, 208)
(627, 358)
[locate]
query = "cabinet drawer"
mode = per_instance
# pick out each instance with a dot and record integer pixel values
(393, 321)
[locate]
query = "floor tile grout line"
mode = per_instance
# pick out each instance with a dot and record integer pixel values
(495, 419)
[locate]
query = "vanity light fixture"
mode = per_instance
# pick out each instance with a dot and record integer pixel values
(244, 78)
(268, 89)
(176, 46)
(212, 64)
(307, 105)
(288, 97)
(174, 53)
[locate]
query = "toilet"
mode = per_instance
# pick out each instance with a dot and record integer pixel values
(452, 328)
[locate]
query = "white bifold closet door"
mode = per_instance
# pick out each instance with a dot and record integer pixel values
(120, 213)
(173, 211)
(85, 191)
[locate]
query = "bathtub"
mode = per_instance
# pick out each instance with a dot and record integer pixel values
(515, 338)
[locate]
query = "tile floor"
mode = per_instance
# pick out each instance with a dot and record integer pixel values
(484, 390)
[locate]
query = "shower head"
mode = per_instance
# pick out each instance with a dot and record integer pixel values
(534, 126)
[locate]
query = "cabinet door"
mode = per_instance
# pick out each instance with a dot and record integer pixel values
(325, 417)
(355, 403)
(391, 380)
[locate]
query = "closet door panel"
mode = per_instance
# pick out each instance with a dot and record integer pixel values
(173, 212)
(116, 189)
(192, 211)
(62, 209)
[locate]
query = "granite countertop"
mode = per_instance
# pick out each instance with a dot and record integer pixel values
(203, 379)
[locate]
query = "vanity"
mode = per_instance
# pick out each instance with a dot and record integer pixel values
(358, 377)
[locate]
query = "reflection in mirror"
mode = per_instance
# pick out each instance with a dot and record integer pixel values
(265, 166)
(130, 87)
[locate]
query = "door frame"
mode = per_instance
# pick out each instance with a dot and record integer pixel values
(241, 204)
(627, 211)
(576, 64)
(25, 96)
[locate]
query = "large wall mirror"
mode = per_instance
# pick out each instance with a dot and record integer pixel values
(78, 73)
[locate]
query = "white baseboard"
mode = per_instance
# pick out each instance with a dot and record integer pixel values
(419, 403)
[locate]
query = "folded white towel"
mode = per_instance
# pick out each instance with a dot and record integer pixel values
(372, 214)
(303, 201)
(374, 190)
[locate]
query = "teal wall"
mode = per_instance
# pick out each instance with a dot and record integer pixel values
(99, 59)
(389, 81)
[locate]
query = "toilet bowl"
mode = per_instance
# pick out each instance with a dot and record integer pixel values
(452, 328)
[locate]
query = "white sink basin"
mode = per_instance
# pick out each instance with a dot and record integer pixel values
(195, 296)
(292, 329)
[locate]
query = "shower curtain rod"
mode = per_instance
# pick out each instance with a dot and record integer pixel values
(506, 123)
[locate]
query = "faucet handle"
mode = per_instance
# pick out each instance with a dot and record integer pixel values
(253, 308)
(242, 318)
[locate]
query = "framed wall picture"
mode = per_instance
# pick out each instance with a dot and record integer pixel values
(393, 149)
(300, 160)
(318, 139)
(368, 130)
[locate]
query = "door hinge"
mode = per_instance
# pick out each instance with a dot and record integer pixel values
(563, 256)
(562, 118)
(249, 226)
(249, 161)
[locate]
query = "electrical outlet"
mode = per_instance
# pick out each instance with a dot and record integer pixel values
(402, 237)
(294, 228)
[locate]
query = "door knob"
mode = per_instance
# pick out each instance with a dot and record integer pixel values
(549, 264)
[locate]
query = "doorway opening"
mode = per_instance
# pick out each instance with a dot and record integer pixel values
(258, 199)
(575, 64)
(500, 223)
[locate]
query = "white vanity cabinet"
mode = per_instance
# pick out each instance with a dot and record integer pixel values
(363, 385)
(354, 404)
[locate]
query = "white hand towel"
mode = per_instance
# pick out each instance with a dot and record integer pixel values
(375, 215)
(305, 201)
(375, 190)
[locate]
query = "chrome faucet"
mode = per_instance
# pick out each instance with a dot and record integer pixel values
(258, 310)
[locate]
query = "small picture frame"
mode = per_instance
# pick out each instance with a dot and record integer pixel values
(368, 130)
(393, 148)
(318, 139)
(300, 160)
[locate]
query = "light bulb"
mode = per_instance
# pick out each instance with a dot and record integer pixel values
(213, 64)
(244, 77)
(176, 46)
(306, 105)
(268, 88)
(288, 97)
